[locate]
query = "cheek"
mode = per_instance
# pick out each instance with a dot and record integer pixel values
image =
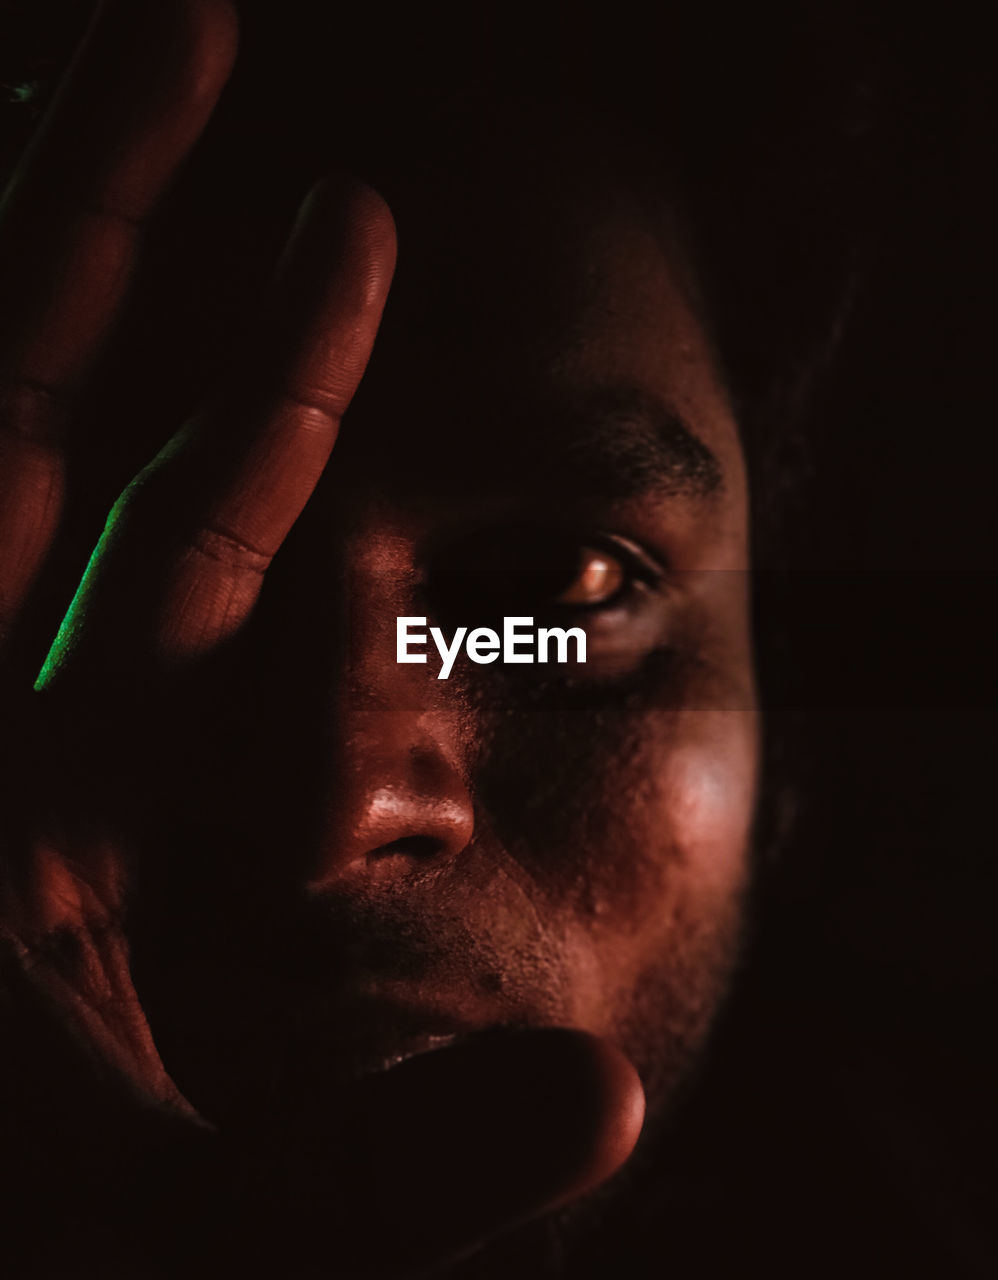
(706, 797)
(670, 883)
(665, 936)
(638, 837)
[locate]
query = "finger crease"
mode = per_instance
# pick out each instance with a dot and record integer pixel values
(320, 404)
(32, 411)
(230, 550)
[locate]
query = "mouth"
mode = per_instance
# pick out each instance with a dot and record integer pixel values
(288, 1007)
(309, 1065)
(358, 1043)
(413, 1046)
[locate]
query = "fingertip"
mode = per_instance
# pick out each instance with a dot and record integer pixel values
(330, 290)
(134, 101)
(452, 1148)
(618, 1103)
(212, 28)
(366, 227)
(466, 1142)
(196, 42)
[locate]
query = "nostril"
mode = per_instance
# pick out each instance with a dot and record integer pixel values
(391, 808)
(418, 847)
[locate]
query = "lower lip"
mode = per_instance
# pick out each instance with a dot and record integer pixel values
(356, 1046)
(411, 1047)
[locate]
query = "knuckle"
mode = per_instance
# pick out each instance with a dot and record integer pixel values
(32, 412)
(229, 549)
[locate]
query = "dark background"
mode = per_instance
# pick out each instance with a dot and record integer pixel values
(838, 163)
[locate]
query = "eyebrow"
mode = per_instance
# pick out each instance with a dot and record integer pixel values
(619, 442)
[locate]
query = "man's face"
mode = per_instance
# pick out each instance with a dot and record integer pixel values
(396, 857)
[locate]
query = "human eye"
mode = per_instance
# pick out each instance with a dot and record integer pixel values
(596, 579)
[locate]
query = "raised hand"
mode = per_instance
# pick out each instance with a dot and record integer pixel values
(173, 579)
(133, 104)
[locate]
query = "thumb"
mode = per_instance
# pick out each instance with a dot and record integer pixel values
(456, 1146)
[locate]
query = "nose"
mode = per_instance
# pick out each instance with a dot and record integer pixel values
(398, 793)
(398, 756)
(399, 788)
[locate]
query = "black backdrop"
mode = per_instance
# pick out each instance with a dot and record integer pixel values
(839, 162)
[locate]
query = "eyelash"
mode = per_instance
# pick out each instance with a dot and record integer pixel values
(640, 571)
(457, 575)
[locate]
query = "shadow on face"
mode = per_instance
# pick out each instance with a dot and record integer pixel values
(362, 857)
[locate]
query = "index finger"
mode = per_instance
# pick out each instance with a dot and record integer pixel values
(181, 561)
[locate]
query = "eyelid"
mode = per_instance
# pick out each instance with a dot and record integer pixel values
(637, 558)
(640, 573)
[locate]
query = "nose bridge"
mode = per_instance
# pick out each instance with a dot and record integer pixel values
(398, 785)
(373, 686)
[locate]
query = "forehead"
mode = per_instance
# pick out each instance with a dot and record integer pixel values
(537, 285)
